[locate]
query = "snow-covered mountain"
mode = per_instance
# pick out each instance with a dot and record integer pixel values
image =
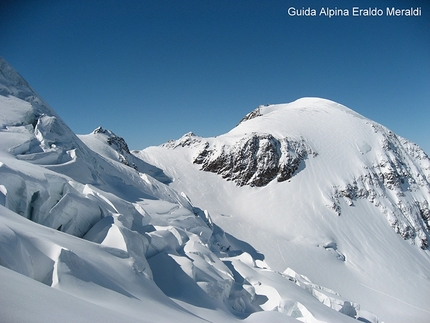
(323, 190)
(373, 163)
(216, 229)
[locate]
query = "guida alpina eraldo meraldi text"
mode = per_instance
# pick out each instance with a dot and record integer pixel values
(355, 12)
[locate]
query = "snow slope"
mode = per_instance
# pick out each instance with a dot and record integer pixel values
(90, 232)
(316, 187)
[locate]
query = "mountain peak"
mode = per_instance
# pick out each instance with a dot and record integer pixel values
(118, 144)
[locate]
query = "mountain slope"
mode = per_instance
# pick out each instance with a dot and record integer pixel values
(97, 240)
(323, 190)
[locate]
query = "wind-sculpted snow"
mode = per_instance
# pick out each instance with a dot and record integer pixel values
(98, 240)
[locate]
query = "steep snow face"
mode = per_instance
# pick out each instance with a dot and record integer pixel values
(352, 214)
(118, 245)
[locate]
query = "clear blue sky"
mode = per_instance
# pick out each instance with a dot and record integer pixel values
(153, 70)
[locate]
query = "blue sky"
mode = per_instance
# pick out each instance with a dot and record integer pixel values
(153, 70)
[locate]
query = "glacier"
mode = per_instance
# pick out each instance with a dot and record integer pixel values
(304, 212)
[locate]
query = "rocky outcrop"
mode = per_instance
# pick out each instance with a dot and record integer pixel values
(255, 160)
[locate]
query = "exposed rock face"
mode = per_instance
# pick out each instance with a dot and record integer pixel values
(255, 160)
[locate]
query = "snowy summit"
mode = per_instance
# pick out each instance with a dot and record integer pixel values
(304, 212)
